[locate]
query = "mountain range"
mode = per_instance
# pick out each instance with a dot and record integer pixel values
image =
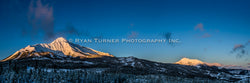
(196, 62)
(62, 54)
(57, 49)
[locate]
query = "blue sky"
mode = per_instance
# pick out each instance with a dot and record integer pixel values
(208, 29)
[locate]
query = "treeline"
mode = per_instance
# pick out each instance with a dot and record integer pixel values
(43, 75)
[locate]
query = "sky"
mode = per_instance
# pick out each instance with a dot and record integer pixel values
(209, 30)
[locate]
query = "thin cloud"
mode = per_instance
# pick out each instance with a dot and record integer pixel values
(238, 46)
(205, 49)
(40, 17)
(203, 34)
(240, 49)
(131, 26)
(133, 34)
(199, 27)
(206, 35)
(217, 31)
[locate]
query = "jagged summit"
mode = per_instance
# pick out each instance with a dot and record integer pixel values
(60, 39)
(195, 62)
(58, 48)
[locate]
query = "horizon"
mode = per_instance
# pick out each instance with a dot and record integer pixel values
(209, 30)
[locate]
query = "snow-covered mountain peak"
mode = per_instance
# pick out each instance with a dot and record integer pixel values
(191, 62)
(58, 48)
(59, 40)
(195, 62)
